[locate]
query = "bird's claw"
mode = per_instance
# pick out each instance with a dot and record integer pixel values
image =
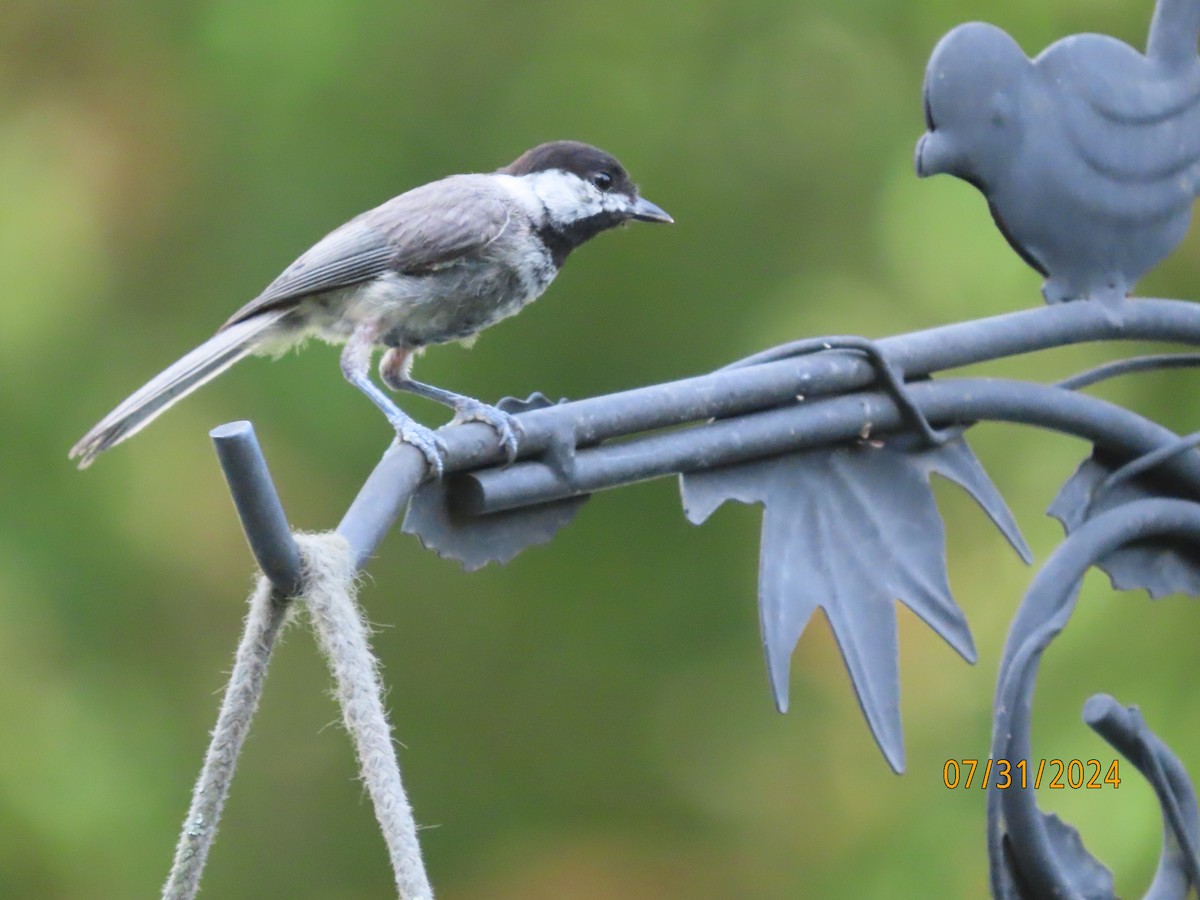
(507, 428)
(425, 440)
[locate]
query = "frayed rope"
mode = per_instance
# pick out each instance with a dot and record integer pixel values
(330, 585)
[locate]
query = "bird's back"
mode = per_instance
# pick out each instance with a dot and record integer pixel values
(1132, 126)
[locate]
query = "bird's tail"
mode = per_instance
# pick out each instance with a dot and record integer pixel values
(1174, 30)
(178, 380)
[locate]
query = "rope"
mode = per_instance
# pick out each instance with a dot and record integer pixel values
(330, 586)
(331, 583)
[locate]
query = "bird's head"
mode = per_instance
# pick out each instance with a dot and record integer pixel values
(974, 88)
(577, 191)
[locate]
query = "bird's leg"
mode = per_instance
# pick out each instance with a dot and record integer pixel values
(356, 363)
(394, 369)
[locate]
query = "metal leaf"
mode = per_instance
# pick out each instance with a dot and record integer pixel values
(1160, 567)
(476, 541)
(852, 530)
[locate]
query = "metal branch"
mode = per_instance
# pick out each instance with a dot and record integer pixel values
(772, 383)
(1034, 848)
(761, 386)
(889, 375)
(1134, 364)
(1126, 730)
(1145, 463)
(821, 423)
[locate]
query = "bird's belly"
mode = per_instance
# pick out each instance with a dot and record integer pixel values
(449, 304)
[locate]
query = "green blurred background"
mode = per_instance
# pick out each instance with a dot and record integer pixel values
(593, 719)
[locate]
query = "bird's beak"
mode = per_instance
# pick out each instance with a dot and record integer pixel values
(933, 156)
(645, 211)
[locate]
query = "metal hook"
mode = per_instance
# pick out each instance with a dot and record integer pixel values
(887, 373)
(258, 505)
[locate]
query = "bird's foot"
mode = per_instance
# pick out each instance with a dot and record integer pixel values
(507, 428)
(424, 439)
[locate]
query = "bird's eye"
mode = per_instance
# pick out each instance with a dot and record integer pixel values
(602, 180)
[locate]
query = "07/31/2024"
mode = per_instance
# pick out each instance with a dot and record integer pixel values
(1054, 773)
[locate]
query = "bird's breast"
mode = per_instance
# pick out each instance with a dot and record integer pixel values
(450, 303)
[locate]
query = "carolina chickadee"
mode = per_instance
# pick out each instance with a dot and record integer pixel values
(437, 264)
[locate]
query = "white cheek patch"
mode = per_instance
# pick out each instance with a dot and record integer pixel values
(560, 198)
(565, 197)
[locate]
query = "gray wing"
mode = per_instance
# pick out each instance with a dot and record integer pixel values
(1135, 124)
(424, 229)
(433, 225)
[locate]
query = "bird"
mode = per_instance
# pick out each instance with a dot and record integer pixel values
(434, 265)
(1088, 155)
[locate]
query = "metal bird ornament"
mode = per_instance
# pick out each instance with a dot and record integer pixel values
(1088, 155)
